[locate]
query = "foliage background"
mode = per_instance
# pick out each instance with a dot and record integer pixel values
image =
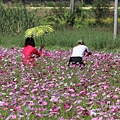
(89, 24)
(28, 92)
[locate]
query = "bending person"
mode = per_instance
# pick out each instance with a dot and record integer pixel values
(78, 53)
(29, 52)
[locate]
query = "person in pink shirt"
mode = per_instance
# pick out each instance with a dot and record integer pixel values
(29, 52)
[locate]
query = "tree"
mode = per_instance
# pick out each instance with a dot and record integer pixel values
(100, 10)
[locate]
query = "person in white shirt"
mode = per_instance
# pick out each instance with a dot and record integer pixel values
(78, 53)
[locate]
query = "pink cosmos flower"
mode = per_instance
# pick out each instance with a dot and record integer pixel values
(78, 84)
(47, 54)
(71, 90)
(115, 96)
(13, 117)
(61, 118)
(66, 106)
(31, 103)
(56, 109)
(44, 103)
(17, 108)
(97, 118)
(54, 99)
(2, 103)
(4, 109)
(26, 93)
(83, 92)
(92, 113)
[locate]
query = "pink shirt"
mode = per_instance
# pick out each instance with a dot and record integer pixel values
(29, 53)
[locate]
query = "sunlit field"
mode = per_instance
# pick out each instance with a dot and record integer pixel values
(53, 91)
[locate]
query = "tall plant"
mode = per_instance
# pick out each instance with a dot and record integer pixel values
(100, 10)
(15, 19)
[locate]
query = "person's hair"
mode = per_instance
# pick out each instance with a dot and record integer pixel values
(81, 42)
(29, 41)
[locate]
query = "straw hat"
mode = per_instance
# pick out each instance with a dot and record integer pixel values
(80, 42)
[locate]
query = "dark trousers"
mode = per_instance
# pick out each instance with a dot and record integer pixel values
(76, 60)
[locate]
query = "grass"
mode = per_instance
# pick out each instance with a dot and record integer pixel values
(94, 38)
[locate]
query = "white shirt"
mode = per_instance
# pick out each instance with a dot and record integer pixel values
(79, 51)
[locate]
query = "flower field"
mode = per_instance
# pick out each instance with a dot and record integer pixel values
(53, 91)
